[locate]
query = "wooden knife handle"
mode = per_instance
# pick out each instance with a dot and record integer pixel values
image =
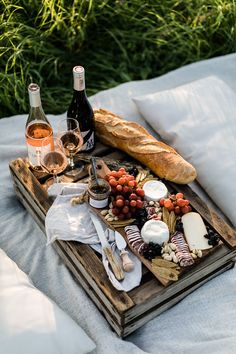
(128, 265)
(116, 268)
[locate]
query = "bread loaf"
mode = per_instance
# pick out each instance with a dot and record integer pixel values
(133, 139)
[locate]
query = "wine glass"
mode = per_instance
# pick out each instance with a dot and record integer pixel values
(71, 140)
(53, 160)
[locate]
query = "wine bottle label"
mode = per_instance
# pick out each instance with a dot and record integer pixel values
(35, 152)
(88, 137)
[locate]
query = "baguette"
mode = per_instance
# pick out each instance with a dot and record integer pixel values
(133, 139)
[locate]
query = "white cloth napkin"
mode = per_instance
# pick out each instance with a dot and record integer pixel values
(68, 222)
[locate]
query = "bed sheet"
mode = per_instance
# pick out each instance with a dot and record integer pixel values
(203, 322)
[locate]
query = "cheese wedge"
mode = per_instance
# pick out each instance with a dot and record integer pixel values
(194, 231)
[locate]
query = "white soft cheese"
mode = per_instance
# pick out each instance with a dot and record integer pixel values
(155, 231)
(154, 190)
(194, 231)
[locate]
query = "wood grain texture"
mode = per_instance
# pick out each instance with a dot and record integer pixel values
(125, 312)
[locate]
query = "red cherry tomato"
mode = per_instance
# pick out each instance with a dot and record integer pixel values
(119, 196)
(133, 203)
(179, 195)
(167, 203)
(125, 189)
(171, 207)
(161, 202)
(125, 209)
(119, 203)
(139, 204)
(131, 183)
(119, 188)
(181, 202)
(186, 209)
(140, 192)
(122, 181)
(119, 174)
(113, 174)
(177, 210)
(130, 177)
(112, 182)
(133, 196)
(115, 211)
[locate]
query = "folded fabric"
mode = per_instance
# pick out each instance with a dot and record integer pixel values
(68, 222)
(198, 120)
(31, 323)
(131, 279)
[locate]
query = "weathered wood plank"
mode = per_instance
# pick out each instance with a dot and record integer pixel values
(30, 184)
(107, 311)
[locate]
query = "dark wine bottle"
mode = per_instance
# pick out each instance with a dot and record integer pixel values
(81, 110)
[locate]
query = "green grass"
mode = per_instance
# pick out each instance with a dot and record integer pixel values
(115, 40)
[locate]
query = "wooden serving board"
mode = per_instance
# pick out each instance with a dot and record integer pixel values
(125, 311)
(148, 263)
(225, 238)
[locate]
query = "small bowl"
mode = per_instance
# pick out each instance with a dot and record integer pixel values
(98, 193)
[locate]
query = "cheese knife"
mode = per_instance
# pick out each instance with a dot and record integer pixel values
(127, 263)
(116, 268)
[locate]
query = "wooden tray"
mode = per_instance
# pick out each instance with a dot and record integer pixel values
(126, 311)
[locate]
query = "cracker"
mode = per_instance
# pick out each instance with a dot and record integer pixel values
(172, 222)
(166, 273)
(159, 262)
(165, 215)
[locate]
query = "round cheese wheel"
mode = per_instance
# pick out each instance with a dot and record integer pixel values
(155, 231)
(154, 190)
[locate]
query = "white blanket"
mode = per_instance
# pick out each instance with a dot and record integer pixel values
(204, 322)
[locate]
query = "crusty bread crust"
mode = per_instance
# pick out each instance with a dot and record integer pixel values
(132, 138)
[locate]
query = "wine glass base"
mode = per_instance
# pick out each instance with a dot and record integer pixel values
(49, 182)
(75, 172)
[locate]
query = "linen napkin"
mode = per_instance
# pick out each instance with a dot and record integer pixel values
(68, 222)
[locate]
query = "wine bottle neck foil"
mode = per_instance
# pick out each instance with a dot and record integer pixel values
(79, 78)
(34, 95)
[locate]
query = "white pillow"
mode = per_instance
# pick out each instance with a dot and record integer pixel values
(199, 120)
(31, 323)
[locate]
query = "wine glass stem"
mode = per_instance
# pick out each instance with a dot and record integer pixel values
(71, 161)
(55, 178)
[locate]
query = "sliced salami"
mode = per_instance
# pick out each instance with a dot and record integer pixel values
(134, 238)
(182, 250)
